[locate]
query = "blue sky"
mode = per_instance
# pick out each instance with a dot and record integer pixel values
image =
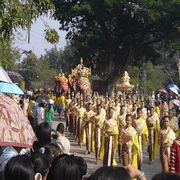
(38, 44)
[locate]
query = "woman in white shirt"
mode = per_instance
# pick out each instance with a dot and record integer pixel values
(40, 113)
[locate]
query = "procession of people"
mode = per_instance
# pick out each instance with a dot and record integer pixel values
(120, 123)
(117, 124)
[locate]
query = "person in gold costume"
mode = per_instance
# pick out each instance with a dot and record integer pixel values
(62, 78)
(122, 117)
(124, 103)
(98, 121)
(166, 138)
(80, 66)
(71, 115)
(106, 103)
(173, 121)
(75, 118)
(68, 101)
(116, 108)
(121, 124)
(110, 131)
(87, 125)
(144, 110)
(103, 110)
(141, 128)
(153, 129)
(94, 104)
(80, 113)
(129, 106)
(130, 144)
(134, 111)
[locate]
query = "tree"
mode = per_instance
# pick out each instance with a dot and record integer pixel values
(155, 80)
(116, 33)
(54, 56)
(29, 69)
(21, 14)
(60, 59)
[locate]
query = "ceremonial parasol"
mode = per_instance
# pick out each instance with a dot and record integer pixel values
(175, 91)
(125, 85)
(163, 91)
(10, 88)
(15, 129)
(176, 102)
(173, 86)
(3, 76)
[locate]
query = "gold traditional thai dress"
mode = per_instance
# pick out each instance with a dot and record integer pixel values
(153, 130)
(130, 147)
(121, 124)
(166, 138)
(129, 108)
(70, 112)
(116, 111)
(144, 113)
(99, 122)
(106, 106)
(87, 124)
(68, 101)
(122, 120)
(134, 114)
(81, 112)
(174, 125)
(75, 119)
(109, 143)
(103, 112)
(141, 128)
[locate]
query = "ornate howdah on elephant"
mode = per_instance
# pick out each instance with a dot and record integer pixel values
(79, 80)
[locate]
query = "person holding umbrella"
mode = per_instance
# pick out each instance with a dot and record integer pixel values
(49, 112)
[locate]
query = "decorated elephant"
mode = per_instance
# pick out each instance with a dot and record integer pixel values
(61, 84)
(78, 79)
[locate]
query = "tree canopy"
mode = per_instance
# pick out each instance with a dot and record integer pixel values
(21, 14)
(116, 33)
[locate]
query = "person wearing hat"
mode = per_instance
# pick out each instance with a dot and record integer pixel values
(49, 112)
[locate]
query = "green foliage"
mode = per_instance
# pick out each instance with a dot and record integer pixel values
(9, 55)
(37, 71)
(46, 76)
(156, 79)
(62, 59)
(29, 69)
(54, 57)
(21, 14)
(52, 36)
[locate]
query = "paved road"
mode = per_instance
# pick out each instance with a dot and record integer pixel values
(149, 170)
